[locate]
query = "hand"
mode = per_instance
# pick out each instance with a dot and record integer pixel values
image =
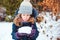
(21, 34)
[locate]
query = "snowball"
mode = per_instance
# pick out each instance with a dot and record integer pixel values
(25, 30)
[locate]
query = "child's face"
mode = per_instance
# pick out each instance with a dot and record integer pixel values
(25, 17)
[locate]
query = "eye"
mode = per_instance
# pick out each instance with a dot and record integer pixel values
(23, 15)
(28, 15)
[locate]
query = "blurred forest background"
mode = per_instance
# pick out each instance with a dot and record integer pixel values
(9, 7)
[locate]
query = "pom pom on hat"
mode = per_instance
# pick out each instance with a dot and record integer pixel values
(27, 0)
(25, 7)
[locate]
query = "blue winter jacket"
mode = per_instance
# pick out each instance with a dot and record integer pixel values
(32, 36)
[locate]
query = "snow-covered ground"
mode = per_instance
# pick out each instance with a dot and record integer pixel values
(6, 29)
(49, 30)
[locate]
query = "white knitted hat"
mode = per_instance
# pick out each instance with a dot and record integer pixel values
(25, 7)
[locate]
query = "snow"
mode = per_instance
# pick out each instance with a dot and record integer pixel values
(47, 31)
(5, 31)
(27, 29)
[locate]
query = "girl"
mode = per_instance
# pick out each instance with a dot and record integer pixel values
(23, 19)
